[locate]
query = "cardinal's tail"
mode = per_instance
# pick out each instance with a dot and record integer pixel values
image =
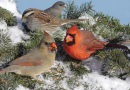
(118, 46)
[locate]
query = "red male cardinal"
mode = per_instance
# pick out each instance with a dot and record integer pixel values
(36, 61)
(81, 44)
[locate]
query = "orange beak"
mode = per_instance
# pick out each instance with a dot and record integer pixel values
(53, 46)
(69, 38)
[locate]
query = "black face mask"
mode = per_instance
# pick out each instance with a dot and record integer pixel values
(72, 42)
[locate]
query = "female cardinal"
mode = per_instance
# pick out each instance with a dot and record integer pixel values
(36, 61)
(81, 44)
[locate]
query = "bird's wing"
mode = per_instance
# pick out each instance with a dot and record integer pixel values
(46, 18)
(30, 59)
(92, 42)
(28, 62)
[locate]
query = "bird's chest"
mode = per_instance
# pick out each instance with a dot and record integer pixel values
(33, 23)
(77, 51)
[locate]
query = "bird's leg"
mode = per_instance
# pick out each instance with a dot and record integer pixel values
(41, 82)
(34, 77)
(76, 65)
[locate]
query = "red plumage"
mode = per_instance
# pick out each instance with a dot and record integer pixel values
(81, 44)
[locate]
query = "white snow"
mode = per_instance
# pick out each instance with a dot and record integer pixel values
(15, 32)
(88, 18)
(93, 80)
(20, 87)
(106, 82)
(11, 6)
(17, 35)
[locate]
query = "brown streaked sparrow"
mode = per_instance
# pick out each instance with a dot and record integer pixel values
(39, 19)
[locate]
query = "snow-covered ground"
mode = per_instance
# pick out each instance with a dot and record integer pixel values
(93, 80)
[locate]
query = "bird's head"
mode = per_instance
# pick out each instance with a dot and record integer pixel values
(27, 13)
(59, 5)
(48, 43)
(72, 35)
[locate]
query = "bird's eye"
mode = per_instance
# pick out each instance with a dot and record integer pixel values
(74, 35)
(46, 43)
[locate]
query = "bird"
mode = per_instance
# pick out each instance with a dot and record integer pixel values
(81, 44)
(39, 19)
(36, 61)
(56, 9)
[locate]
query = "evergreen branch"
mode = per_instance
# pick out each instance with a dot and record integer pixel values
(7, 16)
(115, 61)
(73, 12)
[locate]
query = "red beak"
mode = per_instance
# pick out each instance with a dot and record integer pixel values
(53, 45)
(68, 38)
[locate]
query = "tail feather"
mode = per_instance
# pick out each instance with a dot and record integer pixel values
(113, 45)
(12, 68)
(64, 21)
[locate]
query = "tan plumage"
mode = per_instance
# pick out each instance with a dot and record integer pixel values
(36, 61)
(39, 19)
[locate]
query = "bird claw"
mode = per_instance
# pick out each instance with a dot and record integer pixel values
(75, 64)
(41, 82)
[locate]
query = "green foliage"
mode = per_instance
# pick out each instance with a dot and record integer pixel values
(114, 62)
(11, 81)
(109, 27)
(72, 11)
(35, 40)
(4, 38)
(79, 70)
(7, 83)
(72, 82)
(58, 36)
(7, 51)
(25, 81)
(7, 16)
